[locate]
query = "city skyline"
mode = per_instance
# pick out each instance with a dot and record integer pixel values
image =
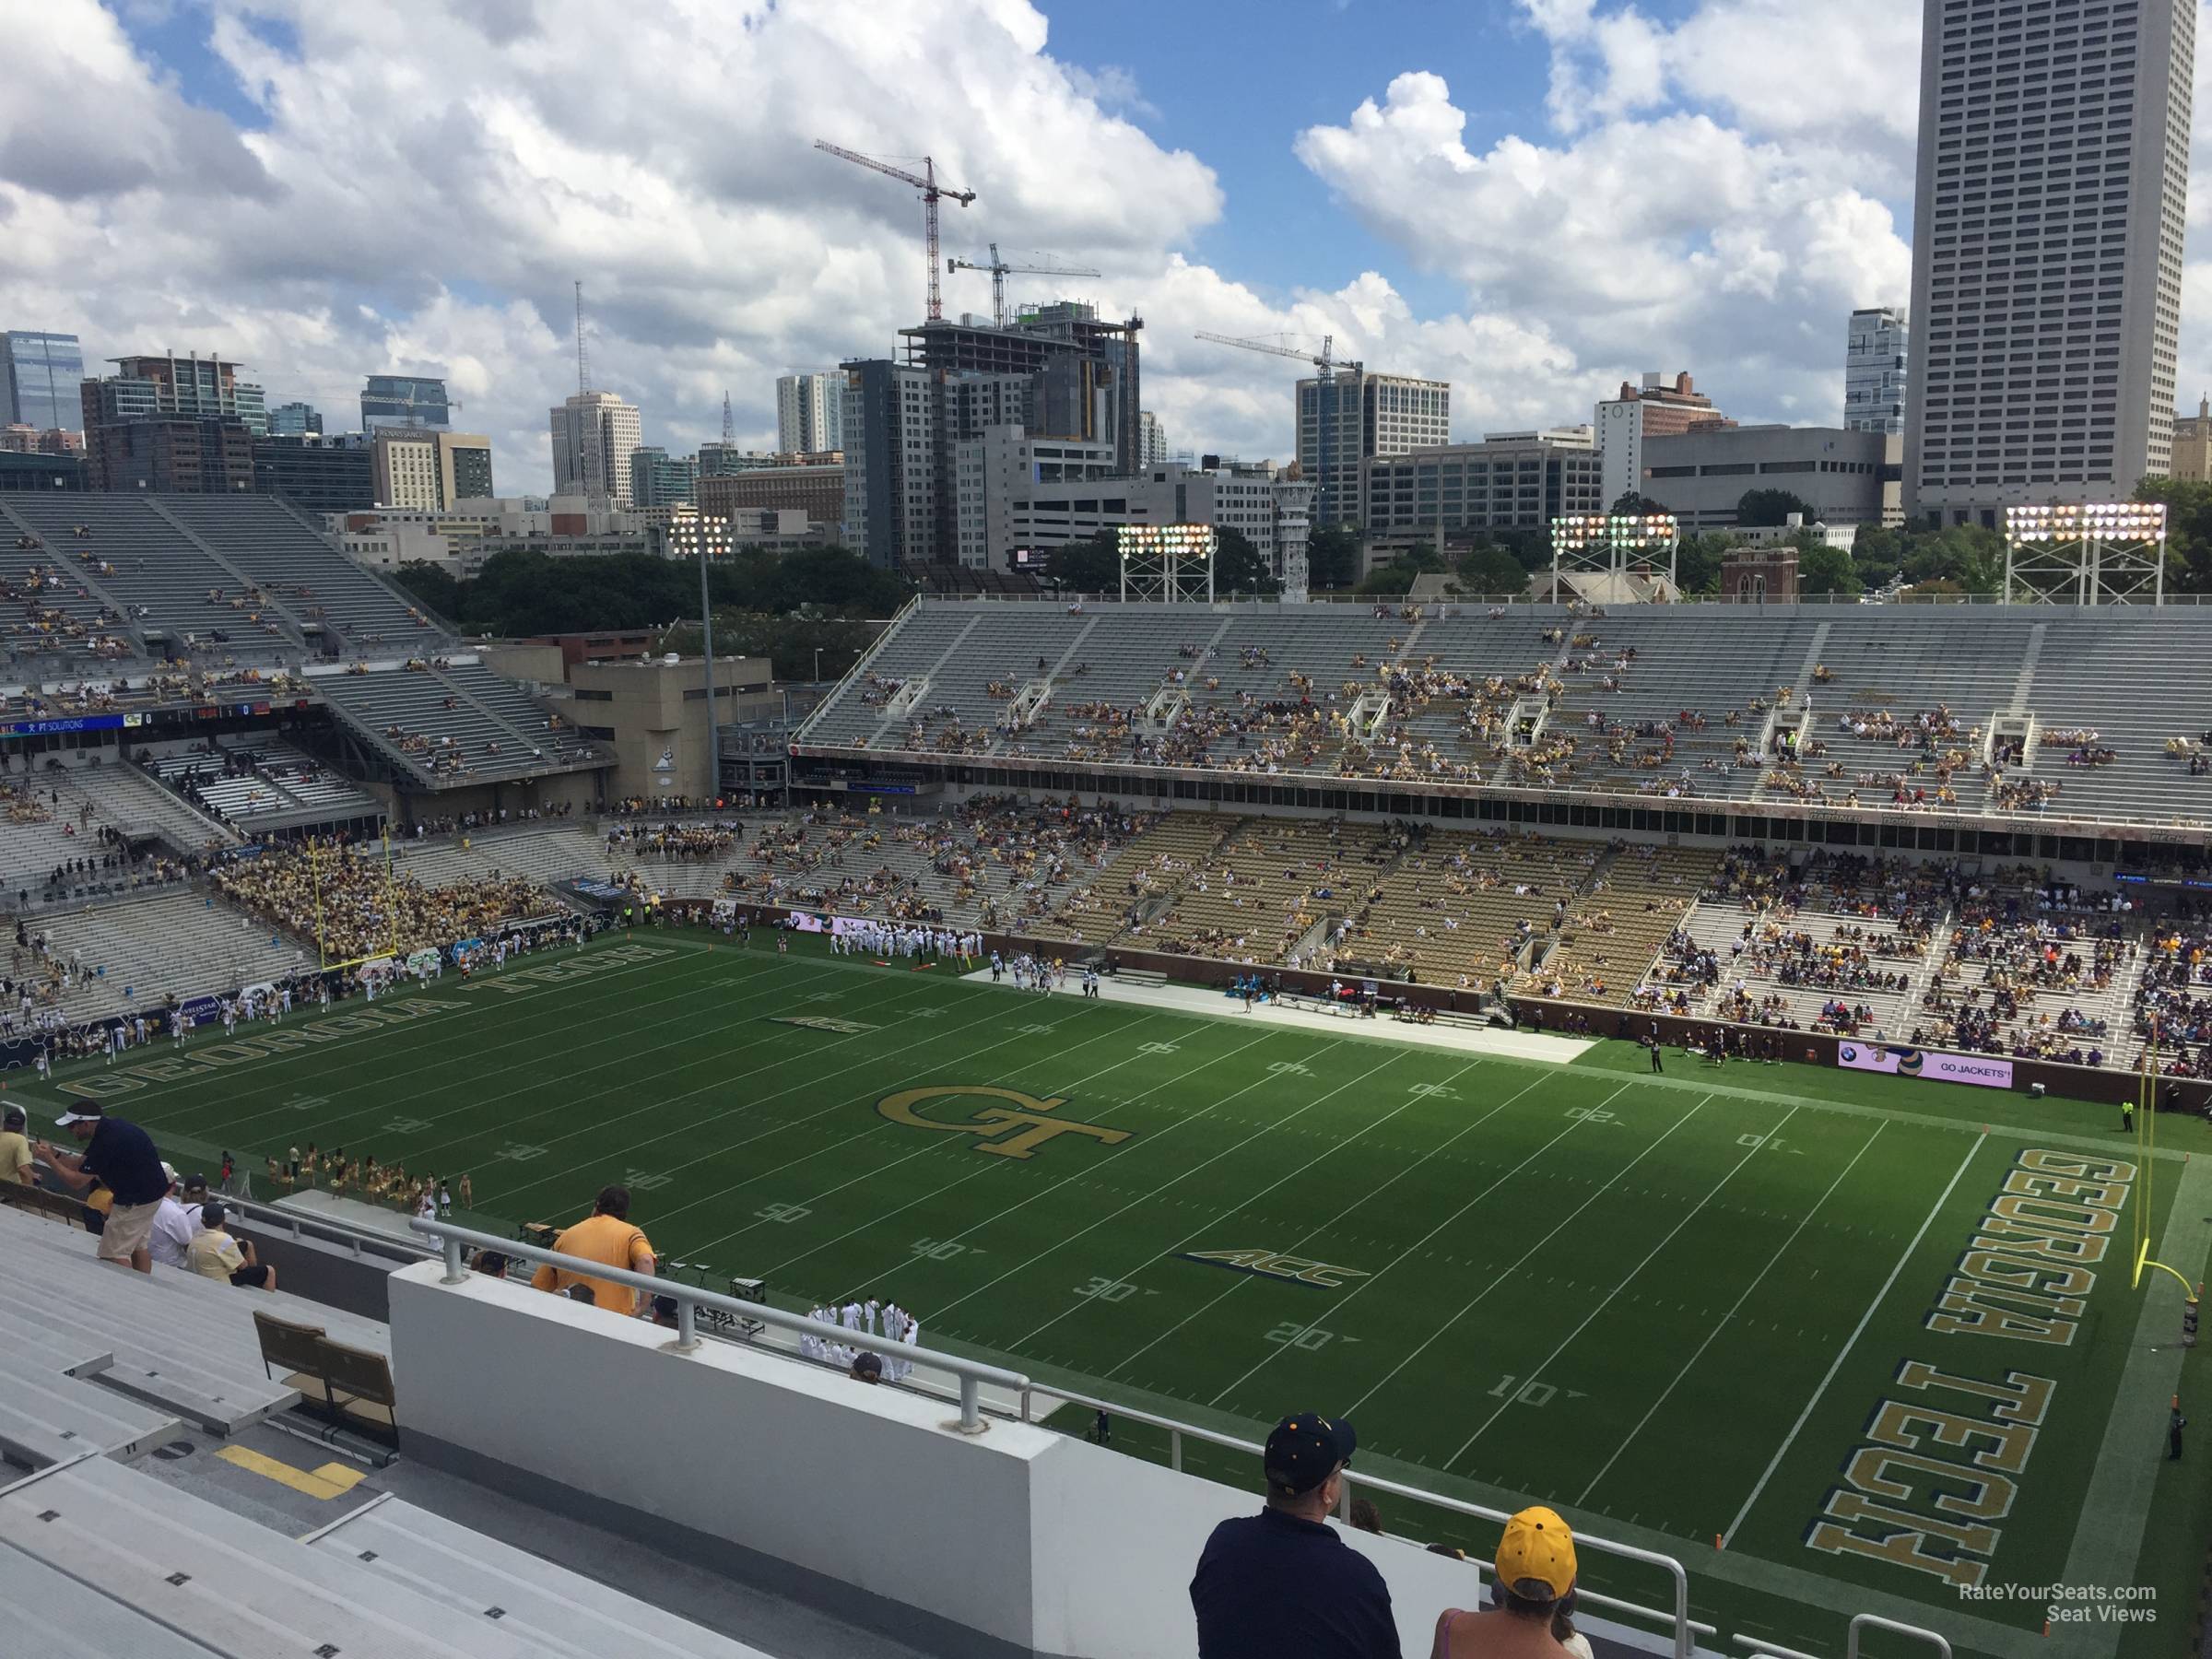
(1739, 233)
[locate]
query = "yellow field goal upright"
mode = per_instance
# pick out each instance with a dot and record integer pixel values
(2146, 1217)
(317, 849)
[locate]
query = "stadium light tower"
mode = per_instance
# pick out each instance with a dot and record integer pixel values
(1612, 545)
(2090, 553)
(1174, 562)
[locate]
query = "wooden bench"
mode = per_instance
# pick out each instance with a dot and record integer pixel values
(355, 1384)
(38, 1201)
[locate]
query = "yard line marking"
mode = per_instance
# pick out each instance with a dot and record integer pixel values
(1649, 1256)
(633, 1082)
(507, 1195)
(1500, 1274)
(1690, 1363)
(1841, 1354)
(382, 1082)
(1336, 1306)
(922, 1151)
(1118, 1151)
(1162, 1255)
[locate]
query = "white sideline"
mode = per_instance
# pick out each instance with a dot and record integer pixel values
(1842, 1353)
(1218, 1005)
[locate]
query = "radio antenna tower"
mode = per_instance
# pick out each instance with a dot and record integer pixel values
(729, 428)
(583, 374)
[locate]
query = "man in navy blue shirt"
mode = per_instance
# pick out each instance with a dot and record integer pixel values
(121, 1154)
(1282, 1584)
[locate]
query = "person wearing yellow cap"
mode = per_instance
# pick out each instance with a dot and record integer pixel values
(1532, 1601)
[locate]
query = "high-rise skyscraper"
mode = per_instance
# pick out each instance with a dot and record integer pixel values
(294, 420)
(40, 374)
(1656, 408)
(660, 480)
(404, 400)
(810, 413)
(1874, 370)
(1347, 417)
(1151, 440)
(172, 423)
(428, 470)
(594, 434)
(2046, 251)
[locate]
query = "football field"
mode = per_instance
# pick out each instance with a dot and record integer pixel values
(1839, 1342)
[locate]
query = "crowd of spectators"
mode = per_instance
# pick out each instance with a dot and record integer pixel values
(356, 905)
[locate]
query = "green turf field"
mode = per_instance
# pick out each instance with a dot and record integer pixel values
(1685, 1308)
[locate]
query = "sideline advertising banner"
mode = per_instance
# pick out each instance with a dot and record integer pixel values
(1988, 1071)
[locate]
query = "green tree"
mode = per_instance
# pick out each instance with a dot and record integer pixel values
(789, 642)
(1635, 504)
(1761, 507)
(1090, 566)
(1698, 563)
(1879, 554)
(1825, 569)
(1332, 558)
(434, 584)
(1492, 570)
(2188, 531)
(1239, 567)
(1392, 581)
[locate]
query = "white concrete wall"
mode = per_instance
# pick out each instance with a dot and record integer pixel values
(1039, 1540)
(862, 1485)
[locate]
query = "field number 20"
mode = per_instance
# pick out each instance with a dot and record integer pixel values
(1305, 1336)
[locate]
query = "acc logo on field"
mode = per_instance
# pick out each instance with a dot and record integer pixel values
(823, 1022)
(1268, 1264)
(1002, 1130)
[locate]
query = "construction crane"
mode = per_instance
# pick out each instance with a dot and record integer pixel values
(999, 268)
(932, 193)
(1326, 361)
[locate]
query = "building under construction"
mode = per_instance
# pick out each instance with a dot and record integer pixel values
(1057, 371)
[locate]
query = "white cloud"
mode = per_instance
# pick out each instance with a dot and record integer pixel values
(422, 183)
(1655, 242)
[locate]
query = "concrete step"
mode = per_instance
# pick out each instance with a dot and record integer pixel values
(241, 1590)
(48, 1416)
(56, 1617)
(563, 1614)
(65, 1252)
(218, 1397)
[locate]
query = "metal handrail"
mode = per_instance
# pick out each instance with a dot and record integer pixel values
(1685, 1628)
(354, 1235)
(689, 1299)
(1874, 1621)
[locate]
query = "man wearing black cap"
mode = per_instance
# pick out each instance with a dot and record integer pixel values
(1283, 1584)
(121, 1155)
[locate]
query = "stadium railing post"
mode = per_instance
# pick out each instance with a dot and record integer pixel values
(686, 1326)
(1863, 1620)
(456, 1270)
(1176, 1449)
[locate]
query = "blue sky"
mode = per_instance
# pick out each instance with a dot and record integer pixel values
(1530, 199)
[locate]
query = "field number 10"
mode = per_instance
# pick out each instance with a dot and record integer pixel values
(1529, 1393)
